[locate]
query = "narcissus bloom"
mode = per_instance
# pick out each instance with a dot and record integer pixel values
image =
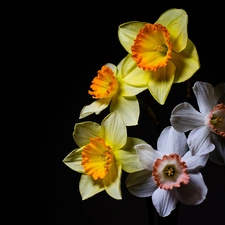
(207, 125)
(109, 88)
(162, 51)
(170, 174)
(104, 151)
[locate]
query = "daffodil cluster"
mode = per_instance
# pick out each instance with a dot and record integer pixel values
(158, 55)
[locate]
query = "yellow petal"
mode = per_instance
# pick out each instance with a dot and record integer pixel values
(114, 130)
(127, 32)
(129, 91)
(84, 131)
(89, 187)
(112, 182)
(112, 66)
(186, 62)
(95, 107)
(120, 65)
(175, 20)
(127, 67)
(128, 157)
(128, 107)
(133, 75)
(73, 160)
(160, 82)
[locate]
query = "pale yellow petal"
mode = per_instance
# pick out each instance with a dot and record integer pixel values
(129, 91)
(128, 107)
(127, 32)
(186, 62)
(112, 182)
(127, 65)
(73, 160)
(114, 130)
(112, 66)
(137, 78)
(84, 131)
(160, 82)
(128, 156)
(132, 74)
(95, 107)
(89, 187)
(176, 20)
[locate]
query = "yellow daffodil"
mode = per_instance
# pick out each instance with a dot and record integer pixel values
(162, 50)
(104, 151)
(108, 87)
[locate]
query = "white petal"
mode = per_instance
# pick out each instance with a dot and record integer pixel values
(194, 192)
(218, 155)
(141, 183)
(219, 91)
(171, 141)
(164, 201)
(199, 141)
(204, 93)
(195, 162)
(147, 155)
(221, 99)
(89, 187)
(184, 117)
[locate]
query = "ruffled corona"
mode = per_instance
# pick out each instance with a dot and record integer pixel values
(104, 85)
(170, 172)
(97, 158)
(215, 120)
(152, 47)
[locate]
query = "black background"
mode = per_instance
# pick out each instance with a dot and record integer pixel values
(66, 44)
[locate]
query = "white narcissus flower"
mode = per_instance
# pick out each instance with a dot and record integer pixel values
(207, 125)
(104, 151)
(109, 88)
(170, 174)
(162, 51)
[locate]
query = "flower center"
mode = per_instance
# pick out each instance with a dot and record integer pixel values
(215, 120)
(152, 47)
(170, 172)
(104, 85)
(97, 158)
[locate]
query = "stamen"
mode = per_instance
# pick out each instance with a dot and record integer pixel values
(170, 172)
(152, 47)
(97, 158)
(104, 85)
(215, 120)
